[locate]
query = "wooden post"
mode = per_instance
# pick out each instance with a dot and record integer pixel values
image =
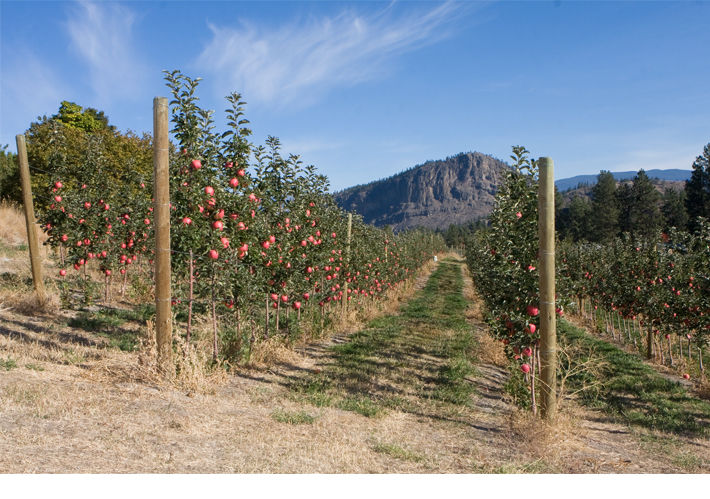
(347, 261)
(161, 209)
(35, 258)
(548, 325)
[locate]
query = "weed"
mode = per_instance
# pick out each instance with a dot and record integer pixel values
(73, 358)
(361, 405)
(8, 364)
(397, 452)
(34, 367)
(297, 417)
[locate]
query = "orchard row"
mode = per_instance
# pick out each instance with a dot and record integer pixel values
(250, 229)
(659, 289)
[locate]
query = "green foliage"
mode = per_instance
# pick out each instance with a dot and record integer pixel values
(89, 120)
(9, 177)
(605, 209)
(645, 214)
(575, 221)
(673, 209)
(697, 202)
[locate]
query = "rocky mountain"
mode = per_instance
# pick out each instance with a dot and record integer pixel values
(436, 194)
(460, 189)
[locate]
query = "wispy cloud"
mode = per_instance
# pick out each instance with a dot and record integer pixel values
(102, 34)
(302, 60)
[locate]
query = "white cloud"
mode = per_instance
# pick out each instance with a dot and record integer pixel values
(102, 36)
(301, 61)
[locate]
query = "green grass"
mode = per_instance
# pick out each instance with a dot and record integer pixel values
(416, 361)
(634, 392)
(107, 324)
(397, 452)
(297, 417)
(8, 364)
(34, 367)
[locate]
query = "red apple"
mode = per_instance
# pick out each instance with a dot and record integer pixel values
(525, 368)
(62, 272)
(532, 311)
(234, 182)
(213, 254)
(196, 164)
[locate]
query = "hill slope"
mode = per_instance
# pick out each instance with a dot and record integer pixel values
(435, 194)
(672, 175)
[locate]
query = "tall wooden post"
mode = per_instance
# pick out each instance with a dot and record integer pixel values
(161, 209)
(548, 326)
(347, 261)
(35, 258)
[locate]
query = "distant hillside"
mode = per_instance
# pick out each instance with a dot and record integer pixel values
(436, 194)
(585, 190)
(573, 182)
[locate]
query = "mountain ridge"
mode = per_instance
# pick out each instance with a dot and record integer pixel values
(456, 190)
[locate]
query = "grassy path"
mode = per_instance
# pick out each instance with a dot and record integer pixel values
(418, 361)
(633, 391)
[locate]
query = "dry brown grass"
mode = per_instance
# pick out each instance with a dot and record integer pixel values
(72, 405)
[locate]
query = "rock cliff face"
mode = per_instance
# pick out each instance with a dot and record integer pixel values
(435, 194)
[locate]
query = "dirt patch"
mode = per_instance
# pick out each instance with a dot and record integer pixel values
(68, 404)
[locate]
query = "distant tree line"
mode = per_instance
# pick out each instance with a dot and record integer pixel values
(637, 208)
(457, 234)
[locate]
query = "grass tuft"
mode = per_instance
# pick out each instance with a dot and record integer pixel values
(296, 417)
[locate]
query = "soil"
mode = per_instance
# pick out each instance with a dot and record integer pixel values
(70, 405)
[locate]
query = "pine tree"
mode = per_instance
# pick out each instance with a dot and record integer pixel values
(605, 209)
(626, 200)
(697, 201)
(578, 218)
(673, 209)
(645, 214)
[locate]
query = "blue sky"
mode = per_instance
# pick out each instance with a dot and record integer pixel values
(363, 90)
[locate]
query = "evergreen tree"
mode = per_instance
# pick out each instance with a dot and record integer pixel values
(604, 210)
(625, 196)
(645, 214)
(697, 201)
(673, 209)
(578, 216)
